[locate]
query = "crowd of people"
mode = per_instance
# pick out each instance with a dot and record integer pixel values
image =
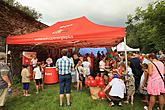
(144, 74)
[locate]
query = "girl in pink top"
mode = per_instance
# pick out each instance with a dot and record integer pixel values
(156, 85)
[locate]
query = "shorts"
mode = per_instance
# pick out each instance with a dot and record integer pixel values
(38, 81)
(26, 86)
(65, 83)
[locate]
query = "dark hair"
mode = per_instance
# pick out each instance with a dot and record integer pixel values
(25, 65)
(152, 56)
(144, 66)
(85, 59)
(129, 63)
(64, 52)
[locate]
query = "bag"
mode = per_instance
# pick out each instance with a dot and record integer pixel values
(94, 92)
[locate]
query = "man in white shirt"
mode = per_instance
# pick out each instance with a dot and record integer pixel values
(34, 61)
(117, 90)
(102, 65)
(49, 61)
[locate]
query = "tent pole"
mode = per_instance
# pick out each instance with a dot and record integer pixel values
(6, 52)
(125, 50)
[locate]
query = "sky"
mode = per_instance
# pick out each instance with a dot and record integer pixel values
(104, 12)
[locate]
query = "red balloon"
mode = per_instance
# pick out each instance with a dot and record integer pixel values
(87, 82)
(101, 79)
(97, 79)
(101, 84)
(90, 77)
(101, 94)
(93, 83)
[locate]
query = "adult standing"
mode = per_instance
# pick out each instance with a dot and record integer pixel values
(155, 85)
(136, 69)
(162, 56)
(64, 67)
(49, 61)
(75, 59)
(86, 65)
(34, 61)
(5, 82)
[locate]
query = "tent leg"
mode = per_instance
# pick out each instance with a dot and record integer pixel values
(6, 52)
(125, 50)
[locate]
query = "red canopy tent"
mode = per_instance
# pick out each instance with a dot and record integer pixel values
(79, 32)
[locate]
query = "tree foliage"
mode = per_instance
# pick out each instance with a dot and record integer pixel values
(29, 11)
(146, 29)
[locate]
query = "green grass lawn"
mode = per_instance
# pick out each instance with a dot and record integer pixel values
(48, 99)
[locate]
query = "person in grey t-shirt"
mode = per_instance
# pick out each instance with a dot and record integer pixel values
(5, 82)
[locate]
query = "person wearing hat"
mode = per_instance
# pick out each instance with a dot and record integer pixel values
(116, 93)
(5, 81)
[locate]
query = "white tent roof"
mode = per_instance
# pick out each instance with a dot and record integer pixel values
(120, 47)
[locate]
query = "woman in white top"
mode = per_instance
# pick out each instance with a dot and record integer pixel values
(34, 61)
(86, 65)
(38, 77)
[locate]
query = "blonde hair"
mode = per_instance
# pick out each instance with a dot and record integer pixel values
(2, 56)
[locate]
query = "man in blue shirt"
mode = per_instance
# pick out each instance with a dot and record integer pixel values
(64, 67)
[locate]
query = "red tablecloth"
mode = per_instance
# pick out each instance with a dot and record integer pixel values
(50, 76)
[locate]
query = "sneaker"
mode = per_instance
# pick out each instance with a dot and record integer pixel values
(120, 104)
(145, 108)
(111, 104)
(61, 105)
(126, 102)
(37, 92)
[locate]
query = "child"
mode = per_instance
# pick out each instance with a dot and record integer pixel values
(38, 77)
(25, 80)
(143, 82)
(130, 85)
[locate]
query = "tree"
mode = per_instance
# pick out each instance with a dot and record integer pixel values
(29, 11)
(146, 28)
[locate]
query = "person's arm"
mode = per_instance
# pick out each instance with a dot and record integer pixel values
(145, 78)
(150, 69)
(72, 66)
(57, 65)
(108, 86)
(6, 79)
(34, 72)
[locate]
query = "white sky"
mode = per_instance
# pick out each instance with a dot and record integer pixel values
(105, 12)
